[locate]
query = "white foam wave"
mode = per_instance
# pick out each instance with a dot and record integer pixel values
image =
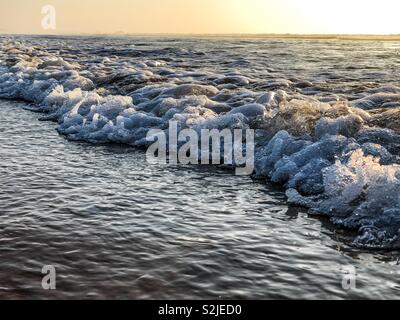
(334, 157)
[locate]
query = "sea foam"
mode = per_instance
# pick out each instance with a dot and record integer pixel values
(337, 158)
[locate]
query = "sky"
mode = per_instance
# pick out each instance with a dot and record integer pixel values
(203, 16)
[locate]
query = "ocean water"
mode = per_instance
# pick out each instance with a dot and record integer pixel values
(116, 227)
(77, 192)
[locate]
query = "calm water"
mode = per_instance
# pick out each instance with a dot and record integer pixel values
(117, 227)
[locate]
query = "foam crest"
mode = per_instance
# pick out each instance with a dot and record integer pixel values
(336, 153)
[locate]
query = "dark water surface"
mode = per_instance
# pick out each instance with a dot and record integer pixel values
(116, 227)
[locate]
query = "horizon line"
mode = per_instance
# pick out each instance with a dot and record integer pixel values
(316, 36)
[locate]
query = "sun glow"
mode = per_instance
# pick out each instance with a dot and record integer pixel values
(319, 17)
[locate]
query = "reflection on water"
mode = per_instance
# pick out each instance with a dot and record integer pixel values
(117, 227)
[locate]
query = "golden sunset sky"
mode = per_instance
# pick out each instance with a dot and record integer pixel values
(204, 16)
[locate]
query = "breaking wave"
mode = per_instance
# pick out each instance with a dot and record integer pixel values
(336, 154)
